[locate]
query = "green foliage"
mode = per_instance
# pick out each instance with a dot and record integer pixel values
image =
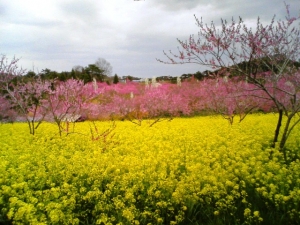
(87, 74)
(94, 71)
(116, 79)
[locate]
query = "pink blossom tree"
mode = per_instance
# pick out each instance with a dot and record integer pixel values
(7, 113)
(64, 103)
(265, 57)
(232, 98)
(27, 97)
(9, 70)
(21, 97)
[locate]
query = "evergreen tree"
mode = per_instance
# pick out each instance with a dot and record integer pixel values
(116, 79)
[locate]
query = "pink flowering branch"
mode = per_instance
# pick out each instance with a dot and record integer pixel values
(266, 57)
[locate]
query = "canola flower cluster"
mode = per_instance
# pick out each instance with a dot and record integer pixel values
(198, 170)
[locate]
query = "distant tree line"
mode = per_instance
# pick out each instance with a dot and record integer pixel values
(87, 74)
(101, 72)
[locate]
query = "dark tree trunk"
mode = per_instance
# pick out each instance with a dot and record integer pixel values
(277, 128)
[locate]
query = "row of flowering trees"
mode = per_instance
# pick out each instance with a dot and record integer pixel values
(37, 100)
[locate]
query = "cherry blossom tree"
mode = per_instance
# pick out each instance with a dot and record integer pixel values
(266, 57)
(27, 97)
(232, 98)
(7, 113)
(64, 103)
(21, 98)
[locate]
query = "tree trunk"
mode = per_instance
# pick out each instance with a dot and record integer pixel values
(285, 132)
(31, 129)
(277, 128)
(285, 136)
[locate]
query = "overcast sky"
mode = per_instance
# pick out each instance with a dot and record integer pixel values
(60, 34)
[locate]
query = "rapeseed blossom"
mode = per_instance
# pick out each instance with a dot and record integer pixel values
(177, 172)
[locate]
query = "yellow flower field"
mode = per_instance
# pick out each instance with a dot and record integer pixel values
(198, 170)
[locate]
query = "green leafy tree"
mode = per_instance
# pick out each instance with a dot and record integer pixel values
(116, 79)
(48, 74)
(93, 71)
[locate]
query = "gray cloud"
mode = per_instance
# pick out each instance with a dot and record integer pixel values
(85, 10)
(2, 9)
(176, 5)
(129, 34)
